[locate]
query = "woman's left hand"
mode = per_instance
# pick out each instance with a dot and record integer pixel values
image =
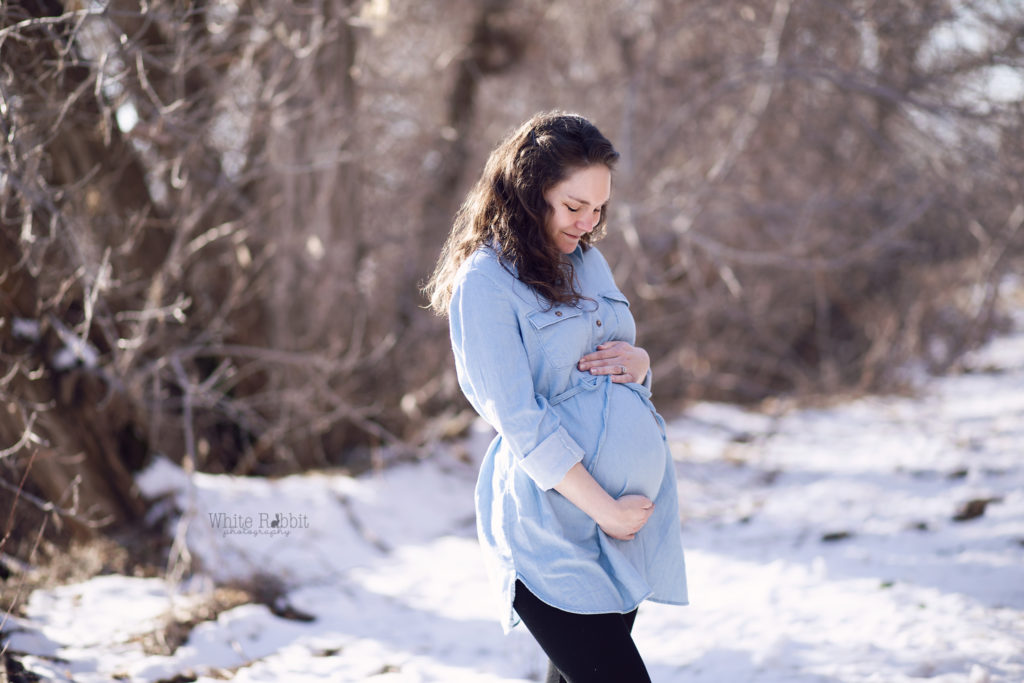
(623, 361)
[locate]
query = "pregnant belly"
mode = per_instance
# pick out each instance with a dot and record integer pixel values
(631, 457)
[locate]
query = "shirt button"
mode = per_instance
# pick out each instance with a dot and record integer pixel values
(558, 313)
(599, 323)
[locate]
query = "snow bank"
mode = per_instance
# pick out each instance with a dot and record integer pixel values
(822, 546)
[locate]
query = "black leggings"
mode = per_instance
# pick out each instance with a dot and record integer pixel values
(582, 648)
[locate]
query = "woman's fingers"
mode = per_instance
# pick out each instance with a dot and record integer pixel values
(619, 371)
(611, 367)
(622, 379)
(602, 355)
(632, 513)
(608, 350)
(612, 357)
(623, 361)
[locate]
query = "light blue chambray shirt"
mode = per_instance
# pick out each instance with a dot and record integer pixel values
(516, 362)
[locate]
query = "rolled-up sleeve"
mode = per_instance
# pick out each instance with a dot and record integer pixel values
(495, 375)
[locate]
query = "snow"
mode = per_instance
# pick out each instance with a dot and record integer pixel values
(821, 546)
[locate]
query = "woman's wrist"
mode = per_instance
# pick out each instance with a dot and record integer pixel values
(583, 491)
(604, 511)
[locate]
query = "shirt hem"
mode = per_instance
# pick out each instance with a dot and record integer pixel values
(551, 603)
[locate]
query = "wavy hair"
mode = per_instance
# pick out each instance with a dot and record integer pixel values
(506, 208)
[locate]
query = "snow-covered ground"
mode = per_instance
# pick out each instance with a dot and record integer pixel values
(821, 546)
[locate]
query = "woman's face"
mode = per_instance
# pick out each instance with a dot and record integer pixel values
(576, 205)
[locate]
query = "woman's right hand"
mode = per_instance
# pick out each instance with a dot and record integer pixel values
(626, 516)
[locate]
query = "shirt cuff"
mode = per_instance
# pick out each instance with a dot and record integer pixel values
(548, 463)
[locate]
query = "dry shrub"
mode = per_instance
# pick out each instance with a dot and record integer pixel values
(215, 216)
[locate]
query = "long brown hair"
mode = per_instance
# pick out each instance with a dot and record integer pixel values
(506, 208)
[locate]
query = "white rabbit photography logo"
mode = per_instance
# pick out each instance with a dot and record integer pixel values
(260, 524)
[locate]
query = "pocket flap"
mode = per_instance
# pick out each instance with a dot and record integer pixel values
(615, 295)
(542, 319)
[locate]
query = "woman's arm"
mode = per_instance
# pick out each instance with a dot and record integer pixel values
(494, 373)
(620, 518)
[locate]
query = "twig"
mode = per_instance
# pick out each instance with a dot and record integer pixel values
(27, 436)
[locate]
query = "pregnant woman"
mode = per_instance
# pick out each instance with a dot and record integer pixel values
(576, 500)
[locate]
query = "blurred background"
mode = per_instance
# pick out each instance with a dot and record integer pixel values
(215, 216)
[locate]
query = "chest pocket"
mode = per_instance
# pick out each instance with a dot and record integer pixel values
(626, 329)
(561, 334)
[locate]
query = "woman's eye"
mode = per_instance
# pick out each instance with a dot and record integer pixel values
(571, 209)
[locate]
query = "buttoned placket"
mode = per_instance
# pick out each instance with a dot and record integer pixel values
(600, 332)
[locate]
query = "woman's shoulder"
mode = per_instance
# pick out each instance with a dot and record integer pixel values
(484, 264)
(594, 261)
